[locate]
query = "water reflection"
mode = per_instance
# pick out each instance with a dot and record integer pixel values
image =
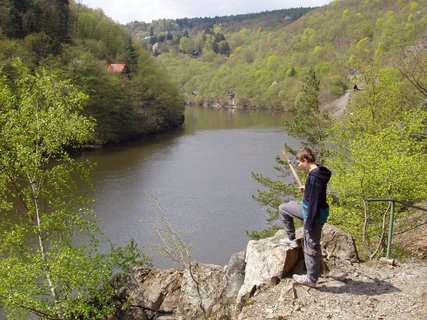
(197, 118)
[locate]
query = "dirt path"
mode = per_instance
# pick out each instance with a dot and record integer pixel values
(360, 291)
(338, 106)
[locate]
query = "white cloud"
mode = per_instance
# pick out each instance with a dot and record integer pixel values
(147, 10)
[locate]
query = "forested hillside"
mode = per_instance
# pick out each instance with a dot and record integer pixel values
(78, 43)
(264, 63)
(195, 35)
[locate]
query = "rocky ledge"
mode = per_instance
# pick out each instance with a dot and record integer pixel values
(256, 284)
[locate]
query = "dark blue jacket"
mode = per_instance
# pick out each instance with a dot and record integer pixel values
(315, 208)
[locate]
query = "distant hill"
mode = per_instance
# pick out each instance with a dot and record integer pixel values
(193, 35)
(265, 19)
(262, 58)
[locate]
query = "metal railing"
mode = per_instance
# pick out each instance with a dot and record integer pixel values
(390, 227)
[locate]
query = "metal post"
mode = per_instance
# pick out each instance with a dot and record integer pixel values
(390, 230)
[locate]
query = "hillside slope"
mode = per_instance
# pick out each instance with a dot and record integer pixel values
(77, 43)
(265, 66)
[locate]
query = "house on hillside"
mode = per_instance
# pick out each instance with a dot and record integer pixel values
(121, 68)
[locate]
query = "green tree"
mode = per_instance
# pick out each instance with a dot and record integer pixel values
(37, 44)
(43, 16)
(41, 270)
(6, 17)
(185, 45)
(309, 121)
(379, 152)
(224, 48)
(131, 56)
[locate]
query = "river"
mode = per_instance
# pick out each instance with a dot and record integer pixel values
(199, 175)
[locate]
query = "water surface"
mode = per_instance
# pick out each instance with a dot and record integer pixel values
(200, 176)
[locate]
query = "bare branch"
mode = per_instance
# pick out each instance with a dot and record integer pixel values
(174, 247)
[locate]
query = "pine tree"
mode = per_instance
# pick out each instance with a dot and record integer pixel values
(309, 121)
(131, 56)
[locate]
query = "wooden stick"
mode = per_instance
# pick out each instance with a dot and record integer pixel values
(391, 262)
(292, 168)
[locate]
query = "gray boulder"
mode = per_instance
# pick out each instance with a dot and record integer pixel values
(336, 244)
(202, 292)
(267, 261)
(235, 275)
(151, 292)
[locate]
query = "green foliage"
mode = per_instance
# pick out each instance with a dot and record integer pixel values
(309, 121)
(22, 18)
(323, 39)
(41, 270)
(382, 157)
(95, 25)
(78, 43)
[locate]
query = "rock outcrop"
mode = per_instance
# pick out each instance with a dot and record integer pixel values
(267, 261)
(337, 245)
(204, 291)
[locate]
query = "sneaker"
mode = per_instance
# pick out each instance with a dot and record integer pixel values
(291, 243)
(303, 279)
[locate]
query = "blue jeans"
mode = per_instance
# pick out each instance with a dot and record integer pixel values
(312, 249)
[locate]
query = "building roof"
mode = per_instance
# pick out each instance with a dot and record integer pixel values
(117, 67)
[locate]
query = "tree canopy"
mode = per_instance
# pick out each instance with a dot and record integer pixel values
(42, 269)
(79, 43)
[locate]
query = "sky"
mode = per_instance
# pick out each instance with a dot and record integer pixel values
(124, 11)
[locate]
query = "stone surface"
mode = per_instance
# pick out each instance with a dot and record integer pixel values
(267, 259)
(358, 291)
(160, 290)
(336, 244)
(202, 292)
(151, 292)
(194, 293)
(349, 291)
(235, 275)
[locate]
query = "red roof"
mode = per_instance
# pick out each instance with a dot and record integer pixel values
(117, 67)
